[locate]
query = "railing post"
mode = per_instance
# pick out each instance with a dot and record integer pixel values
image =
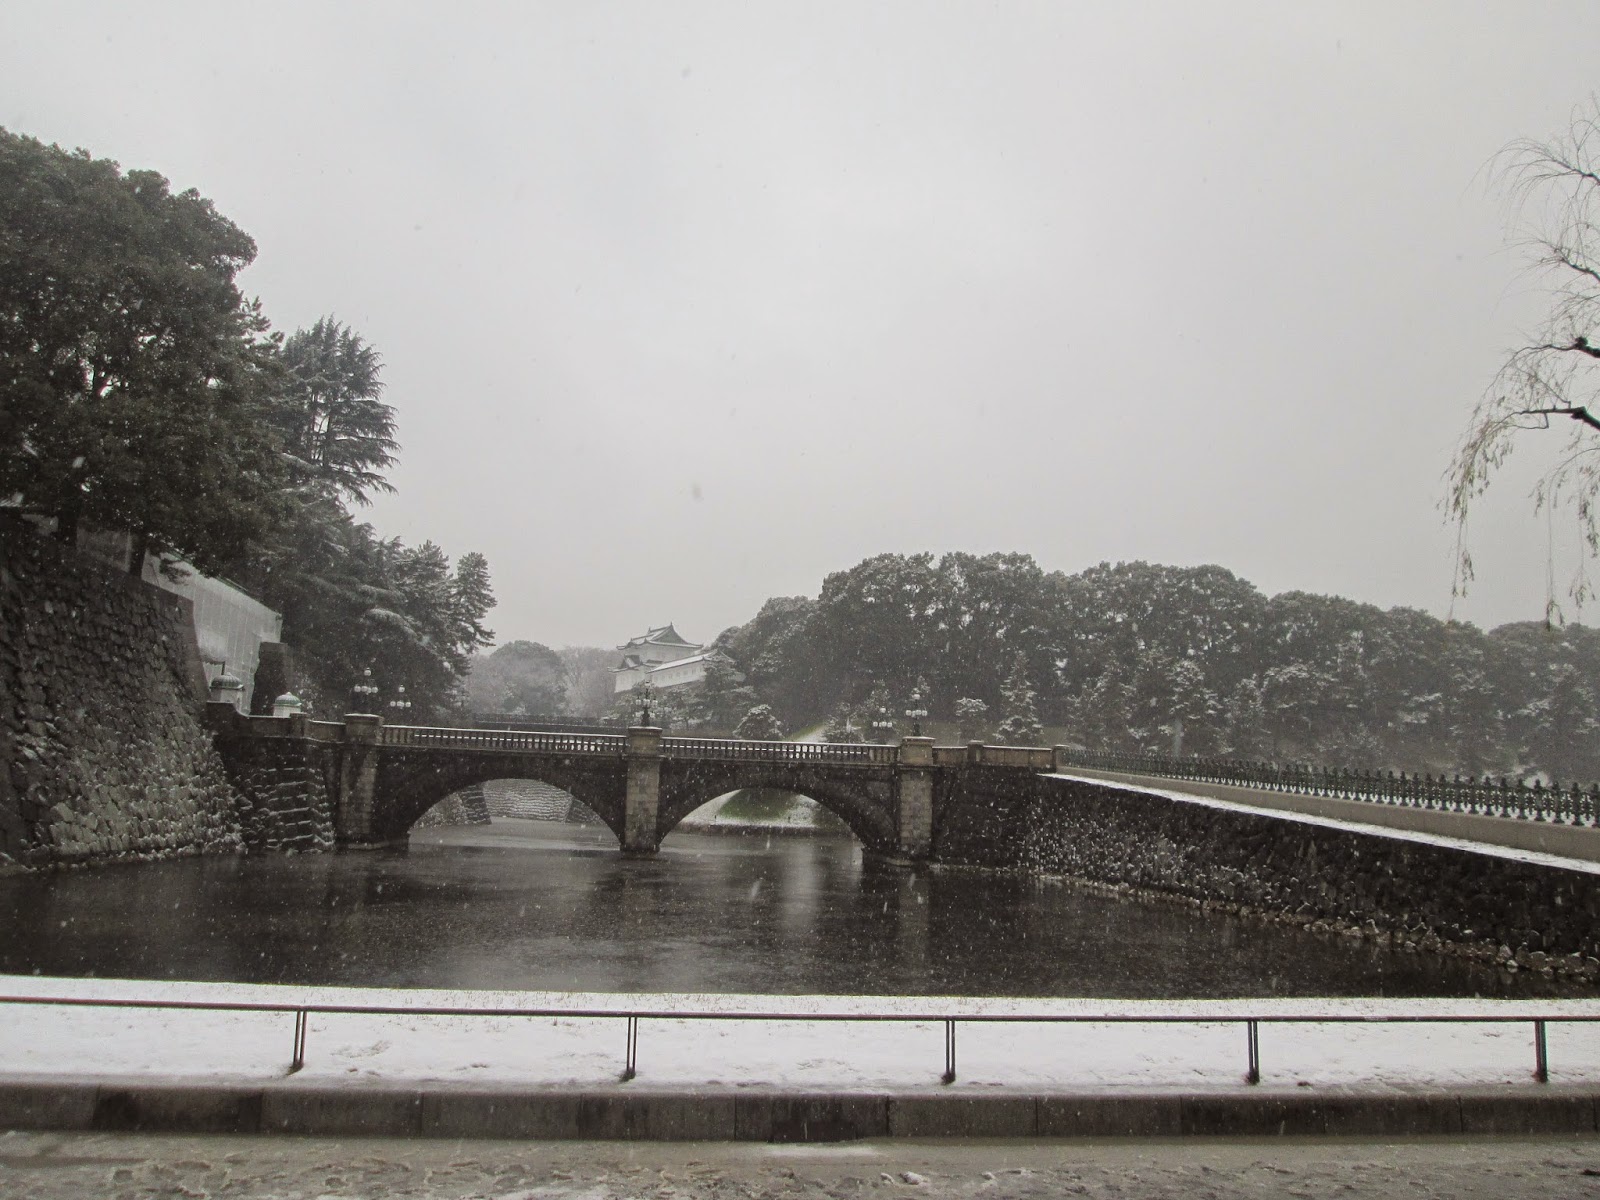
(1253, 1037)
(1541, 1054)
(632, 1067)
(299, 1059)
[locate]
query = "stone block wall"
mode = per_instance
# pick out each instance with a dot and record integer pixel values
(103, 752)
(285, 788)
(469, 806)
(1400, 890)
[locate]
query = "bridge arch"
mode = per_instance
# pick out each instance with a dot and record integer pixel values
(409, 783)
(866, 806)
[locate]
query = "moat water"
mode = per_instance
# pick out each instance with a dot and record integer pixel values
(540, 905)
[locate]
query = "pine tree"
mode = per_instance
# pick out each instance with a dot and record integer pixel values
(971, 720)
(337, 431)
(759, 725)
(1021, 726)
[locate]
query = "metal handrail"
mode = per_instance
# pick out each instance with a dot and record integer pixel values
(303, 1013)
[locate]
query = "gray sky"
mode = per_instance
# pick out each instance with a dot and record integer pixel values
(685, 305)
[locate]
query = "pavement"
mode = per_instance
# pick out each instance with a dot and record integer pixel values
(628, 1112)
(56, 1166)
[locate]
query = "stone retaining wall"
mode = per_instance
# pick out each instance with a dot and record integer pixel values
(1410, 891)
(285, 788)
(466, 807)
(103, 753)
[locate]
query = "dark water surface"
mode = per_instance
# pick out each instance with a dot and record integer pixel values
(537, 905)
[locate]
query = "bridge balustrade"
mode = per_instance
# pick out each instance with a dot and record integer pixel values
(508, 740)
(739, 750)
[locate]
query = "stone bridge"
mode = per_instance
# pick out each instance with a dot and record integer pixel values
(379, 779)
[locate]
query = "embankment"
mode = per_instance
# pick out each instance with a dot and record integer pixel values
(1523, 910)
(103, 751)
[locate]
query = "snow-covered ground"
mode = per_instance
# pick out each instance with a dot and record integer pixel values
(588, 1051)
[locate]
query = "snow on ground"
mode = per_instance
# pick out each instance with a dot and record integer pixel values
(38, 1039)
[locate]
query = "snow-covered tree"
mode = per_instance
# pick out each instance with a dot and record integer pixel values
(759, 725)
(1020, 726)
(1245, 733)
(972, 719)
(844, 726)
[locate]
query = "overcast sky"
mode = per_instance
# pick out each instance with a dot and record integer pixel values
(684, 305)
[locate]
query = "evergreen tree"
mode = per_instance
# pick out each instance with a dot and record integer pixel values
(1020, 726)
(972, 720)
(1105, 713)
(135, 378)
(1245, 734)
(722, 698)
(844, 726)
(759, 725)
(336, 429)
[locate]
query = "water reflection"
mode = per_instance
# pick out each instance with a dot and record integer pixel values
(524, 904)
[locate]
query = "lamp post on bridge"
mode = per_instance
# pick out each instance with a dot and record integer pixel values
(362, 694)
(646, 692)
(916, 714)
(399, 706)
(883, 725)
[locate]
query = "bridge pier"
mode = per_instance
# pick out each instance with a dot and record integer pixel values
(642, 803)
(358, 777)
(913, 800)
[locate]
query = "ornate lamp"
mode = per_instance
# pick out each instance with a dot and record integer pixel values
(916, 714)
(363, 693)
(883, 725)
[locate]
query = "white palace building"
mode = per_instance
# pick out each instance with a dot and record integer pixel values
(661, 656)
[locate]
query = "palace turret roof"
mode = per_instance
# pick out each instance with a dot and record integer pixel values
(665, 635)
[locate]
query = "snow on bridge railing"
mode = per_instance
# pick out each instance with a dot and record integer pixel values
(508, 740)
(1554, 805)
(740, 750)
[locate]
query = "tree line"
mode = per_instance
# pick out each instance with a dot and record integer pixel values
(144, 392)
(1139, 656)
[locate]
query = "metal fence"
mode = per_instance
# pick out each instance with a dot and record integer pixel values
(1572, 804)
(302, 1014)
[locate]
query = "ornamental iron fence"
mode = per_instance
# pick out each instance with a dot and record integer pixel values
(1557, 804)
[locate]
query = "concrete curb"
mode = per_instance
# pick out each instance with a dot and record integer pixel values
(729, 1114)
